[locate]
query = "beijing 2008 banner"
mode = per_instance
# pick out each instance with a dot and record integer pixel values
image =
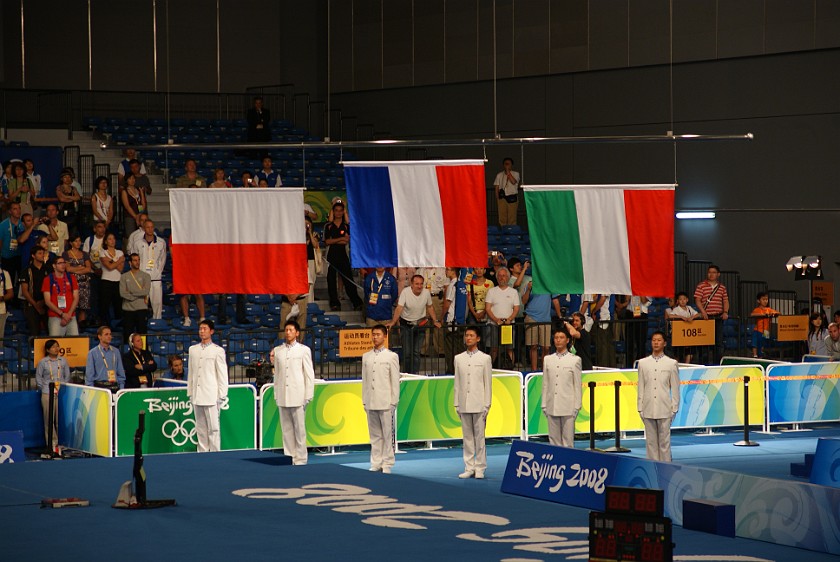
(170, 422)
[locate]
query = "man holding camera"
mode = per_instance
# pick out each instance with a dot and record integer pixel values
(56, 230)
(507, 187)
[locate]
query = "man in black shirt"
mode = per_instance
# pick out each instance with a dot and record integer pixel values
(31, 281)
(337, 236)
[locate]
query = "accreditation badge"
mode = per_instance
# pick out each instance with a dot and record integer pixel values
(637, 311)
(143, 379)
(112, 375)
(150, 264)
(374, 298)
(62, 302)
(13, 244)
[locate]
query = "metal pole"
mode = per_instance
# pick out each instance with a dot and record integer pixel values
(617, 448)
(592, 447)
(746, 441)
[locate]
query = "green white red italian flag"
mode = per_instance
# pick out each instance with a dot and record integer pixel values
(603, 239)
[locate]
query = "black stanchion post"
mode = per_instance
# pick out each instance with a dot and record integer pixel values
(617, 448)
(746, 441)
(592, 447)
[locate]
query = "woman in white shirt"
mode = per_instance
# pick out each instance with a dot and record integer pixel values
(102, 203)
(113, 262)
(816, 335)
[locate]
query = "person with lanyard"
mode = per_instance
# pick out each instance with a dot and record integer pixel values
(139, 364)
(7, 294)
(133, 203)
(10, 229)
(134, 290)
(56, 230)
(104, 367)
(337, 237)
(473, 396)
(31, 281)
(562, 394)
(454, 313)
(101, 202)
(380, 395)
(112, 261)
(380, 296)
(658, 398)
(152, 252)
(207, 387)
(61, 296)
(294, 387)
(69, 198)
(51, 369)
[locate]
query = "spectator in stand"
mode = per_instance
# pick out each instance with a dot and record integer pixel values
(501, 306)
(79, 264)
(537, 324)
(267, 174)
(477, 288)
(413, 311)
(31, 282)
(101, 202)
(152, 252)
(7, 294)
(599, 309)
(454, 314)
(219, 179)
(141, 180)
(136, 235)
(93, 247)
(185, 308)
(124, 167)
(436, 282)
(57, 230)
(10, 229)
(507, 188)
(104, 367)
(712, 301)
(259, 122)
(582, 339)
(5, 179)
(817, 333)
(497, 260)
(21, 189)
(832, 341)
(134, 290)
(380, 296)
(28, 239)
(337, 237)
(682, 312)
(34, 177)
(61, 297)
(190, 176)
(68, 199)
(248, 180)
(761, 331)
(133, 204)
(113, 262)
(176, 368)
(139, 364)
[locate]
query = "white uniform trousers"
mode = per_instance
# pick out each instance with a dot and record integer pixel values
(293, 424)
(658, 439)
(561, 430)
(207, 428)
(475, 454)
(156, 299)
(45, 404)
(381, 429)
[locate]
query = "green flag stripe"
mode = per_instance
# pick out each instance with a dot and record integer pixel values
(555, 241)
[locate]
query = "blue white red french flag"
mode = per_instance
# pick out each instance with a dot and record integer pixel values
(420, 213)
(238, 241)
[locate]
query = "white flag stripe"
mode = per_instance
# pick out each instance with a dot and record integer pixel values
(418, 216)
(571, 187)
(603, 241)
(383, 164)
(205, 216)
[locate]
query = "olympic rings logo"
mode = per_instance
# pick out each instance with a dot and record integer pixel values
(180, 433)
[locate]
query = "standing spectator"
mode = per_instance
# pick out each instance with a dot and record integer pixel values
(562, 393)
(28, 239)
(61, 297)
(57, 231)
(478, 287)
(473, 393)
(79, 264)
(219, 179)
(537, 324)
(436, 282)
(68, 198)
(104, 364)
(141, 180)
(21, 189)
(133, 205)
(190, 176)
(151, 250)
(761, 331)
(93, 247)
(52, 368)
(136, 234)
(124, 167)
(294, 387)
(138, 363)
(134, 290)
(507, 189)
(599, 309)
(259, 122)
(380, 395)
(454, 315)
(31, 282)
(113, 262)
(712, 301)
(816, 335)
(832, 341)
(582, 339)
(7, 294)
(207, 387)
(268, 175)
(414, 307)
(658, 398)
(101, 202)
(34, 177)
(380, 296)
(337, 236)
(10, 230)
(501, 305)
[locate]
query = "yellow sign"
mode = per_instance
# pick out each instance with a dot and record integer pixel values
(74, 350)
(698, 332)
(507, 334)
(792, 328)
(355, 342)
(824, 290)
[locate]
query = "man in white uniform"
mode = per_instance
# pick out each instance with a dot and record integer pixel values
(380, 394)
(659, 398)
(473, 394)
(152, 252)
(294, 386)
(207, 387)
(561, 391)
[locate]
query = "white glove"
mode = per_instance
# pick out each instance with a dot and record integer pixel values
(306, 403)
(484, 412)
(575, 415)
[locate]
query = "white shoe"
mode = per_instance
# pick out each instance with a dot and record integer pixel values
(187, 322)
(375, 469)
(466, 474)
(386, 470)
(479, 475)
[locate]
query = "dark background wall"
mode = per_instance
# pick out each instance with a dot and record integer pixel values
(425, 69)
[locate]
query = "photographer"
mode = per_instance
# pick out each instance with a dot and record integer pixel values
(507, 187)
(56, 230)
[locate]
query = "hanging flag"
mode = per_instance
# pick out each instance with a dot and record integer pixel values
(419, 213)
(238, 241)
(605, 239)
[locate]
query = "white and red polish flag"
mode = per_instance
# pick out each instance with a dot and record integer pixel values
(238, 241)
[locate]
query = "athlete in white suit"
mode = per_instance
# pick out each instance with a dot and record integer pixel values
(294, 386)
(207, 387)
(659, 398)
(561, 391)
(380, 394)
(473, 394)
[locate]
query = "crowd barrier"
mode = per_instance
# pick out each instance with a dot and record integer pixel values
(786, 393)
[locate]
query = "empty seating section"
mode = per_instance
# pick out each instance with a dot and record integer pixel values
(317, 168)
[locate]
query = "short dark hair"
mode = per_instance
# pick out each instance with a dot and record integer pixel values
(133, 161)
(381, 328)
(513, 261)
(416, 275)
(48, 344)
(561, 330)
(713, 266)
(761, 294)
(474, 330)
(660, 333)
(132, 255)
(170, 359)
(338, 204)
(681, 294)
(209, 323)
(101, 329)
(508, 158)
(292, 323)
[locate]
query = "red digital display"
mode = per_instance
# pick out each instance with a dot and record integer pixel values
(641, 501)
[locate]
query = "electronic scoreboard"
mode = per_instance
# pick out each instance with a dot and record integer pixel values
(632, 527)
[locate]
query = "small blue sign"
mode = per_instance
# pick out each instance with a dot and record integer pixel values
(826, 468)
(11, 447)
(559, 474)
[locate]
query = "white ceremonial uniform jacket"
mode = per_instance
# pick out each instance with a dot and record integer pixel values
(561, 386)
(294, 376)
(659, 388)
(473, 382)
(208, 380)
(380, 379)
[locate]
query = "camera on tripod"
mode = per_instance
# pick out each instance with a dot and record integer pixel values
(261, 371)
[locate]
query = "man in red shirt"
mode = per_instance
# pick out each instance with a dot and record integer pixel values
(712, 301)
(61, 295)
